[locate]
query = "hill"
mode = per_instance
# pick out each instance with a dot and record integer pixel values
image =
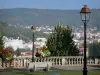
(25, 16)
(18, 31)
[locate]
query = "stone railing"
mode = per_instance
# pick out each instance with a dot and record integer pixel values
(22, 62)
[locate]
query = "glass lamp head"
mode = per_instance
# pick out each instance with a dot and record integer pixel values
(33, 28)
(85, 13)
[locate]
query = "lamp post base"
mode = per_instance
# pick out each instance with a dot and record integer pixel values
(85, 71)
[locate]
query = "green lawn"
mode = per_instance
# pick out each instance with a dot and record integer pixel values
(67, 72)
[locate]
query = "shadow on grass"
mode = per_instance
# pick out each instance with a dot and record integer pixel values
(11, 69)
(67, 72)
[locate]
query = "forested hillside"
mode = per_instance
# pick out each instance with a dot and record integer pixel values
(30, 16)
(15, 32)
(25, 16)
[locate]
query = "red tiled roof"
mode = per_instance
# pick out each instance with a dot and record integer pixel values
(82, 49)
(29, 53)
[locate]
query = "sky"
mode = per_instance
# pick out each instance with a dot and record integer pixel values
(49, 4)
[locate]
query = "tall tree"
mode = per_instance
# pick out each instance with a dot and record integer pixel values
(94, 49)
(1, 45)
(60, 42)
(1, 42)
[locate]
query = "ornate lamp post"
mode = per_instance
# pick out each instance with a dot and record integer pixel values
(85, 15)
(33, 58)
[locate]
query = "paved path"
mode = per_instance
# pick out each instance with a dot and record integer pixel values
(74, 68)
(52, 69)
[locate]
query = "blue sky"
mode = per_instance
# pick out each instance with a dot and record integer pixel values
(49, 4)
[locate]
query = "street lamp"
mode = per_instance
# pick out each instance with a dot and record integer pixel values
(33, 58)
(85, 15)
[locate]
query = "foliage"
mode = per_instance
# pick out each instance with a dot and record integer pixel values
(1, 43)
(94, 49)
(60, 42)
(18, 31)
(6, 54)
(17, 52)
(44, 52)
(26, 16)
(15, 32)
(10, 48)
(38, 54)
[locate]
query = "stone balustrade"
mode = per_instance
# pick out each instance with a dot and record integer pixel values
(22, 62)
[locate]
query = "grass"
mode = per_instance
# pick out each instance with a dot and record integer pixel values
(67, 72)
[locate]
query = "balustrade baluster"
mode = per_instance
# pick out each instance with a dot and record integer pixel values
(0, 63)
(20, 63)
(69, 60)
(66, 61)
(55, 61)
(77, 61)
(26, 63)
(58, 61)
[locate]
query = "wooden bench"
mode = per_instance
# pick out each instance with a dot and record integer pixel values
(39, 65)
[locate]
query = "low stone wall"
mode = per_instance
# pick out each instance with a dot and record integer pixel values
(22, 62)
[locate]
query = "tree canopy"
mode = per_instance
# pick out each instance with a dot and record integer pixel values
(60, 42)
(1, 42)
(94, 49)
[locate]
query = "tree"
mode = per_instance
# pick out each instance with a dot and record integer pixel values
(17, 52)
(7, 54)
(1, 43)
(10, 48)
(60, 42)
(94, 49)
(44, 52)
